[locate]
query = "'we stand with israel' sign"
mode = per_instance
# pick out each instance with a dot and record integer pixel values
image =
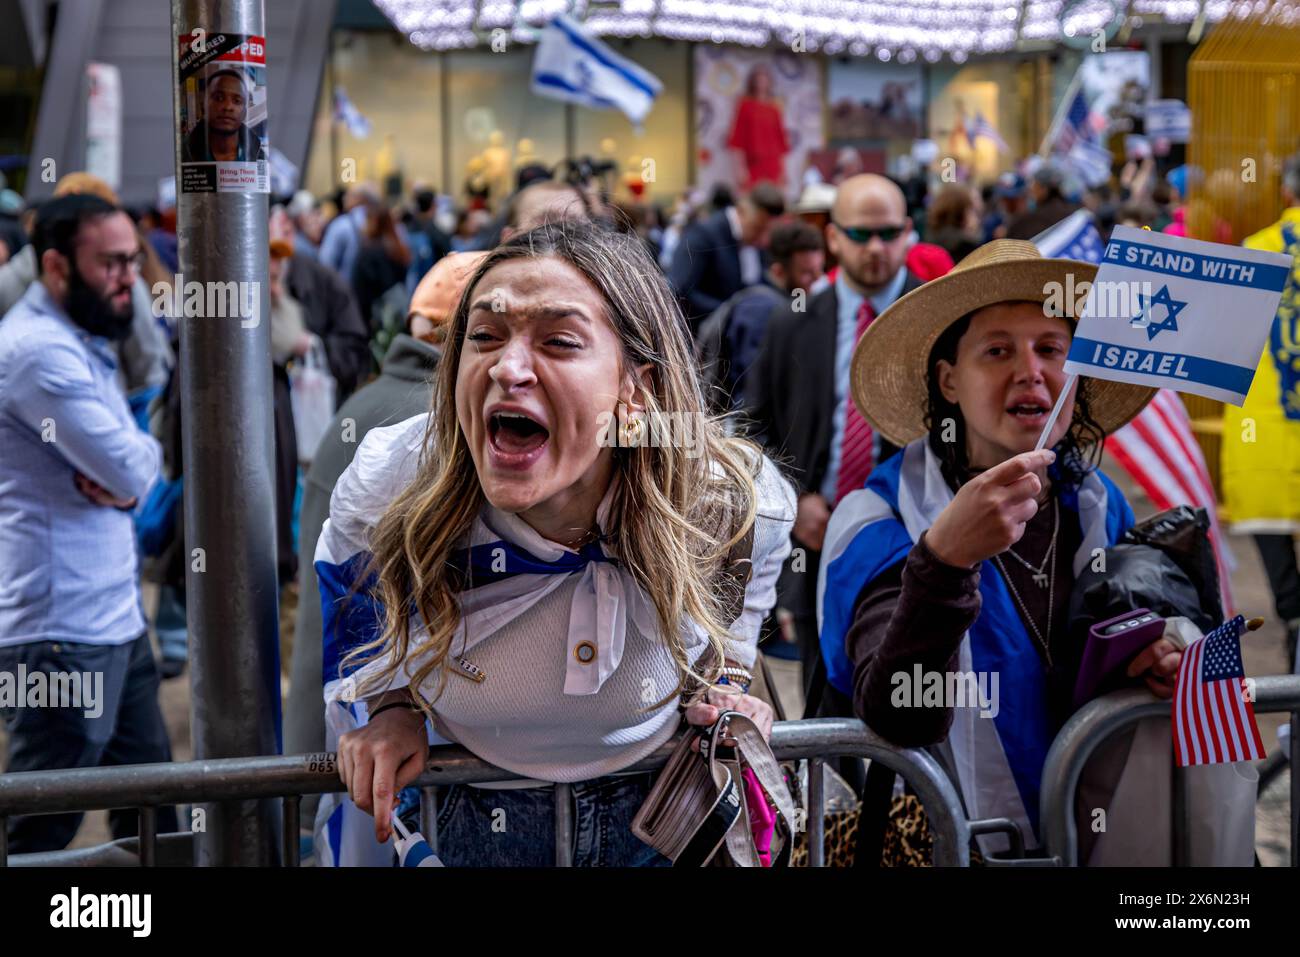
(1178, 314)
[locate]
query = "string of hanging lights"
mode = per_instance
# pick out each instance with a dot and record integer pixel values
(900, 30)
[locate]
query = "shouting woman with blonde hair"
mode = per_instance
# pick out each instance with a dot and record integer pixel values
(541, 564)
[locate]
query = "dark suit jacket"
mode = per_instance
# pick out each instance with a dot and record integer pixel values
(792, 385)
(705, 270)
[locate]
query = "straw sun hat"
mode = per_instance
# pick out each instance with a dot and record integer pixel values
(889, 372)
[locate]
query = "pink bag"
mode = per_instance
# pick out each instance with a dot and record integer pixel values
(762, 819)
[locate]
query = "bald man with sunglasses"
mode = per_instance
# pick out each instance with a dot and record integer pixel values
(802, 410)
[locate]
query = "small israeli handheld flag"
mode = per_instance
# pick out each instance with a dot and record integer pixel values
(412, 849)
(575, 67)
(1178, 313)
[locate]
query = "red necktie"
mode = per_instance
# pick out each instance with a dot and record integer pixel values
(855, 450)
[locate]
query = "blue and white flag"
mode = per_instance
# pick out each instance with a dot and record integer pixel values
(346, 112)
(573, 66)
(1074, 237)
(1090, 161)
(412, 849)
(1178, 313)
(1170, 120)
(284, 173)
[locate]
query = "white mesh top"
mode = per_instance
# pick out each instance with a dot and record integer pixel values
(542, 711)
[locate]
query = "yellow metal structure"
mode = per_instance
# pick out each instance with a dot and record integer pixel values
(1244, 95)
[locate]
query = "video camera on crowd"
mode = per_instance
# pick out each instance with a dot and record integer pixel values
(581, 171)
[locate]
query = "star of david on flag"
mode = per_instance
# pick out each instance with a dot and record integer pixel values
(1172, 308)
(573, 65)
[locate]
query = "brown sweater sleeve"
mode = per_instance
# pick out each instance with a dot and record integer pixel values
(914, 613)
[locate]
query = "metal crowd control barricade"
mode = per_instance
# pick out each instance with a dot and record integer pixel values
(1110, 714)
(151, 786)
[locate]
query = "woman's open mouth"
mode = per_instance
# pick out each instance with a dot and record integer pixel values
(1029, 413)
(515, 440)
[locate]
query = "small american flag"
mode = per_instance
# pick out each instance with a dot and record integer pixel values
(1074, 237)
(982, 127)
(1214, 720)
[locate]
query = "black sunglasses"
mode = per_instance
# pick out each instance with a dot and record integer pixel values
(863, 234)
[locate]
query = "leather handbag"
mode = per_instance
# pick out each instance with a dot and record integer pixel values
(697, 812)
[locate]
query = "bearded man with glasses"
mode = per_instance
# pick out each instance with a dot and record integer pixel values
(74, 466)
(802, 408)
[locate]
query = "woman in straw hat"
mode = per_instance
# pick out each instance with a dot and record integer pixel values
(960, 554)
(537, 567)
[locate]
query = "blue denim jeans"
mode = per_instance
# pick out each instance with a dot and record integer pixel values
(483, 827)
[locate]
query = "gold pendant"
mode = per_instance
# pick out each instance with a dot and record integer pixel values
(469, 670)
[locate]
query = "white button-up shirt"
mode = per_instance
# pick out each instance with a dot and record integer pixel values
(848, 301)
(68, 569)
(751, 263)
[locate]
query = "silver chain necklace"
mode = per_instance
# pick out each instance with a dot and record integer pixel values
(1039, 573)
(1050, 576)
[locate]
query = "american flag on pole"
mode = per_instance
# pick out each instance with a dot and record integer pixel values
(982, 127)
(1074, 237)
(1214, 720)
(1076, 126)
(1157, 448)
(1077, 144)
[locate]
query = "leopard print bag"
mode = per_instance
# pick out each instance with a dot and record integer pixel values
(839, 822)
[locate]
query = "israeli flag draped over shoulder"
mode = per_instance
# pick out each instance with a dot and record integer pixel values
(385, 462)
(573, 66)
(997, 762)
(507, 578)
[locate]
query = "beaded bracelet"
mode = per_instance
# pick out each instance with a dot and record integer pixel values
(737, 677)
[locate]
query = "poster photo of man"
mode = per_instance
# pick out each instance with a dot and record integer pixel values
(223, 114)
(222, 134)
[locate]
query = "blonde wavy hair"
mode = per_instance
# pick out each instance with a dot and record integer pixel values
(674, 518)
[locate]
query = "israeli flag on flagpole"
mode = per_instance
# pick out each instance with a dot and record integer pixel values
(572, 66)
(346, 112)
(1090, 160)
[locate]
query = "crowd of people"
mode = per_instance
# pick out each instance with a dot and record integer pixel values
(492, 573)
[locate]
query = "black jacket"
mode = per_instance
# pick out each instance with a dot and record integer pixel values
(331, 313)
(792, 386)
(705, 271)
